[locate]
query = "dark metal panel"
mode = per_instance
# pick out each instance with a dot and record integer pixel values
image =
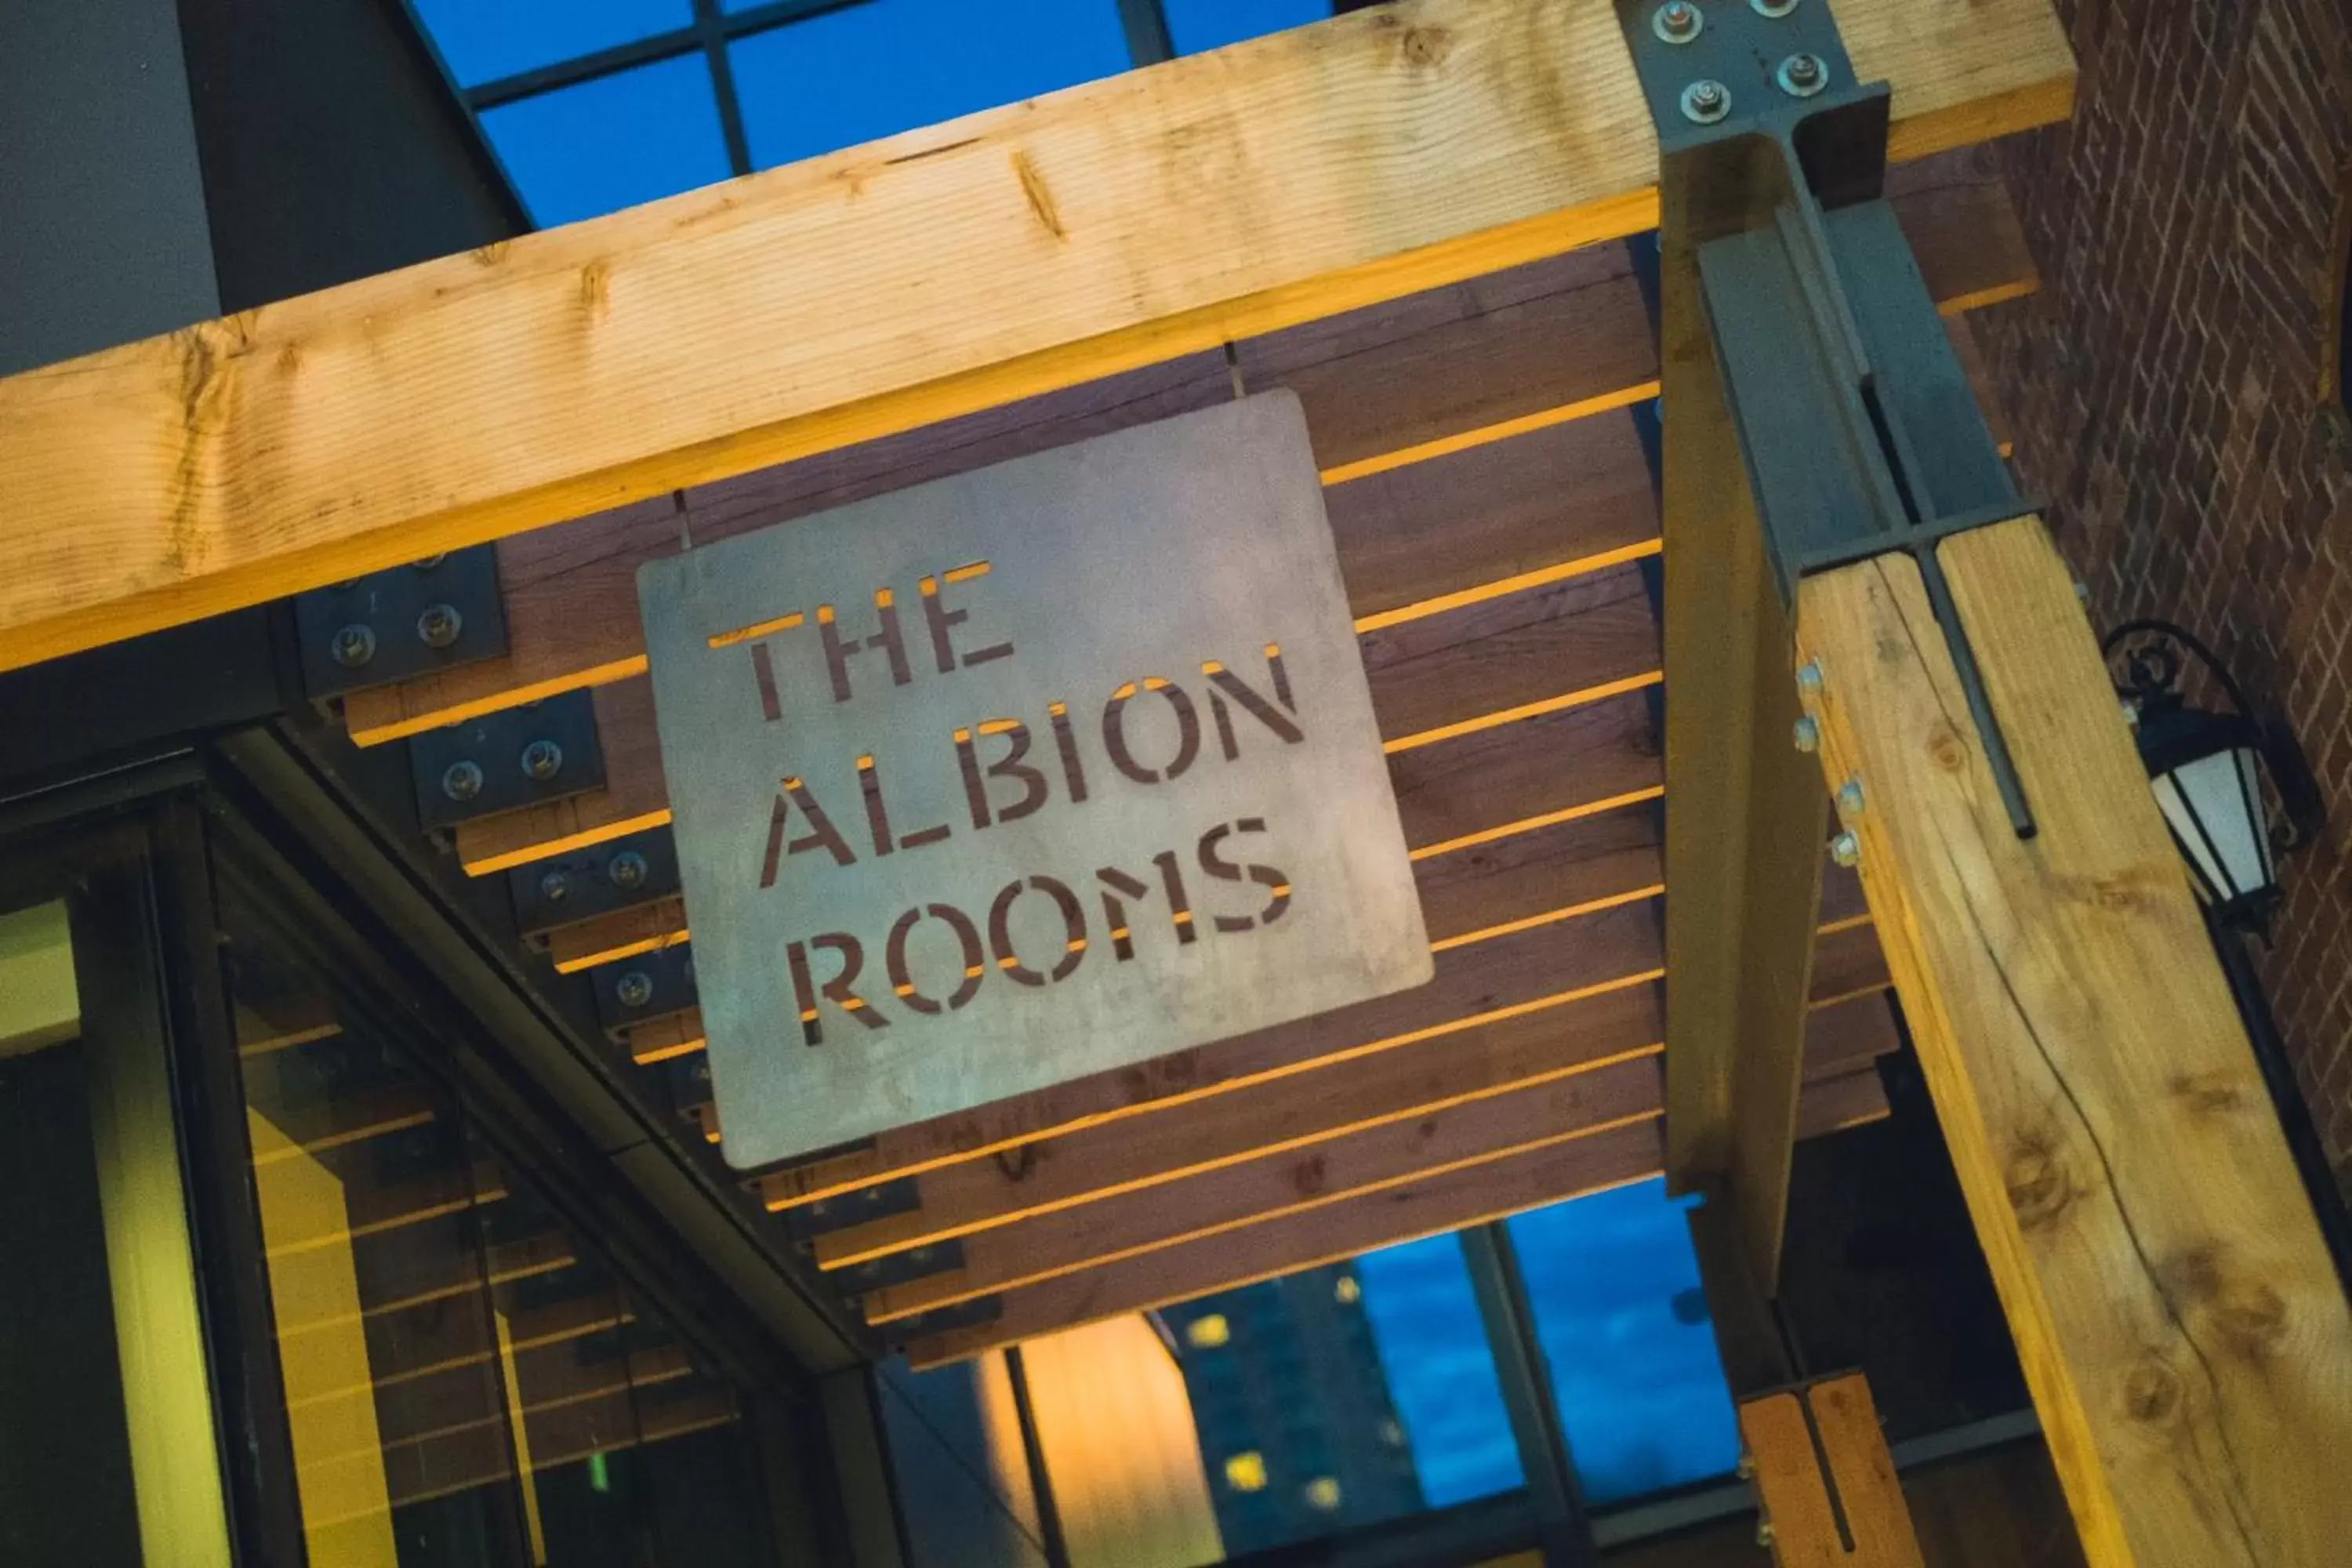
(615, 875)
(650, 986)
(503, 760)
(419, 620)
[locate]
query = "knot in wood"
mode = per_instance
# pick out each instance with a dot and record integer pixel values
(2251, 1318)
(2038, 1187)
(1946, 749)
(1427, 46)
(2208, 1093)
(1310, 1177)
(2151, 1391)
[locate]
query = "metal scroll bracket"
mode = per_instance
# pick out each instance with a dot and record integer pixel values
(1858, 429)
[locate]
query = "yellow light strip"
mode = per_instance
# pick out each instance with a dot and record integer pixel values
(1503, 430)
(1560, 571)
(1529, 824)
(1523, 710)
(1512, 928)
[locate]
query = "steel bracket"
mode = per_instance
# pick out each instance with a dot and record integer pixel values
(503, 760)
(633, 991)
(413, 620)
(566, 889)
(970, 1314)
(1859, 430)
(825, 1216)
(899, 1268)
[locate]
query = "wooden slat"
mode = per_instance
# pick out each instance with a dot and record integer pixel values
(1527, 351)
(373, 1209)
(636, 796)
(1048, 1175)
(1564, 1075)
(351, 1119)
(2183, 1334)
(1119, 223)
(1471, 1195)
(1829, 1491)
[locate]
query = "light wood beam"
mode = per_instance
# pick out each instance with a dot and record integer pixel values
(2180, 1326)
(1123, 222)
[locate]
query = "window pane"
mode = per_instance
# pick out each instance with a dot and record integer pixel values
(886, 66)
(1433, 1346)
(486, 39)
(612, 142)
(1614, 1288)
(1197, 25)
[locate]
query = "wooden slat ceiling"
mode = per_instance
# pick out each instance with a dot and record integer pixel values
(1493, 504)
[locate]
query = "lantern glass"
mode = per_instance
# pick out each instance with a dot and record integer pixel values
(2214, 805)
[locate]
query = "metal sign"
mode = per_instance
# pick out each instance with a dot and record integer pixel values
(1023, 774)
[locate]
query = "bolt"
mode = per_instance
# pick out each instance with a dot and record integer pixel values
(2082, 592)
(1747, 1467)
(633, 989)
(462, 781)
(872, 1195)
(625, 870)
(1849, 798)
(354, 646)
(1677, 22)
(1772, 8)
(2131, 713)
(542, 761)
(1846, 850)
(1704, 101)
(1808, 734)
(1809, 678)
(1802, 75)
(429, 563)
(555, 887)
(439, 624)
(1763, 1532)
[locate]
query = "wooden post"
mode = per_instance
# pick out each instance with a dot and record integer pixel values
(1824, 1481)
(2174, 1308)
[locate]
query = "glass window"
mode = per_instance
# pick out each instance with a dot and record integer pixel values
(962, 1471)
(1197, 25)
(484, 40)
(1433, 1346)
(885, 66)
(635, 136)
(1614, 1288)
(465, 1379)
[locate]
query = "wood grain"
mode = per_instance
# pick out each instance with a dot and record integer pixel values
(1827, 1487)
(2180, 1326)
(872, 291)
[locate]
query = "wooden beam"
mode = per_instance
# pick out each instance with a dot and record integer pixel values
(1399, 386)
(1579, 1074)
(2181, 1328)
(1285, 1244)
(1116, 224)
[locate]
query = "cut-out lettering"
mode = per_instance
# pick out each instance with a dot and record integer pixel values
(975, 960)
(763, 672)
(839, 990)
(1074, 927)
(820, 836)
(1225, 684)
(1187, 731)
(1180, 908)
(839, 647)
(943, 621)
(1275, 882)
(1066, 742)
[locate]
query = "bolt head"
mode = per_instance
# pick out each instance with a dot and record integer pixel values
(1764, 1533)
(625, 870)
(1849, 797)
(633, 989)
(1772, 8)
(353, 645)
(430, 562)
(1706, 101)
(1677, 22)
(1747, 1467)
(1809, 678)
(1846, 850)
(438, 624)
(542, 761)
(1808, 734)
(2131, 713)
(1802, 75)
(462, 780)
(555, 887)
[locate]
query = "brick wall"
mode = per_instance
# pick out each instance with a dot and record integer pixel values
(2166, 390)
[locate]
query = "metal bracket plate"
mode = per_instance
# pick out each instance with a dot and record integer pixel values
(881, 1200)
(899, 1268)
(566, 889)
(516, 757)
(630, 991)
(969, 1314)
(394, 626)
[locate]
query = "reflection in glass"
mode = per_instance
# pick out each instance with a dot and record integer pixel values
(1614, 1288)
(1197, 25)
(1424, 1316)
(635, 136)
(484, 40)
(872, 70)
